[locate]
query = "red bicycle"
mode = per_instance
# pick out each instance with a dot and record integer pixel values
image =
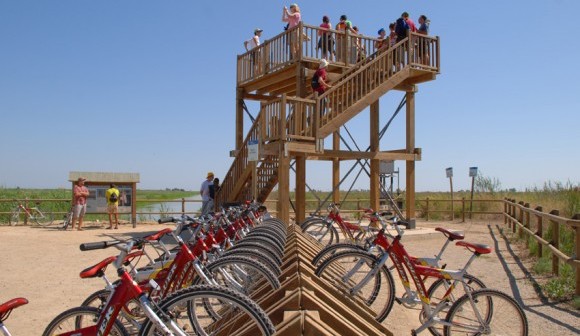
(364, 277)
(176, 314)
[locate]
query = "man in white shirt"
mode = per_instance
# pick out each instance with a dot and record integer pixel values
(207, 201)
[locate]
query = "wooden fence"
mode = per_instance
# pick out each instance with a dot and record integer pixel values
(525, 221)
(65, 203)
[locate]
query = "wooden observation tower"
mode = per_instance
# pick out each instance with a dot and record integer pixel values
(291, 126)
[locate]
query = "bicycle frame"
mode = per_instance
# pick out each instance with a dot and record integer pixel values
(410, 268)
(125, 291)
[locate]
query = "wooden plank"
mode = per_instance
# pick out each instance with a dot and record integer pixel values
(374, 147)
(410, 165)
(301, 188)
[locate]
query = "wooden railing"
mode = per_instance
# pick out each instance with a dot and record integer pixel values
(524, 220)
(360, 88)
(347, 49)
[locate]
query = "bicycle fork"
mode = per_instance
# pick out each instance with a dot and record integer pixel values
(165, 325)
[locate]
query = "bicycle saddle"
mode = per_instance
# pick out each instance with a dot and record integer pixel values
(451, 235)
(7, 307)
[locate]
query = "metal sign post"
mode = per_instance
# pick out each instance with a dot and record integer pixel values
(449, 172)
(253, 156)
(472, 174)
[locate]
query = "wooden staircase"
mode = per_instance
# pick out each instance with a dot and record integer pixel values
(291, 124)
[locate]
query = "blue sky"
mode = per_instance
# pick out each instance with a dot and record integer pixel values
(148, 86)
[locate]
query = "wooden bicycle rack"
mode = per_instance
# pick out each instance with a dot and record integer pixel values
(306, 304)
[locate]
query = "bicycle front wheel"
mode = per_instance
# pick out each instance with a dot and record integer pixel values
(41, 218)
(490, 312)
(348, 271)
(15, 218)
(239, 315)
(324, 232)
(78, 318)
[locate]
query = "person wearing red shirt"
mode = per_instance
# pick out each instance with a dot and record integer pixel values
(80, 193)
(320, 83)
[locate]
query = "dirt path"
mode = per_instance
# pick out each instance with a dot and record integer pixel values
(43, 266)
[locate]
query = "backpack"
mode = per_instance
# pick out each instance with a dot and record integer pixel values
(113, 198)
(401, 28)
(314, 83)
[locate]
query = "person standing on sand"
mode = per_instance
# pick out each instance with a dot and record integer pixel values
(80, 194)
(204, 191)
(112, 195)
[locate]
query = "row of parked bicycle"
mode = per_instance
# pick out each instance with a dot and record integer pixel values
(359, 259)
(195, 278)
(203, 284)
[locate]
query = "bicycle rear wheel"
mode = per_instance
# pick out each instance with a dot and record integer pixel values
(239, 314)
(491, 312)
(41, 218)
(67, 220)
(77, 318)
(437, 292)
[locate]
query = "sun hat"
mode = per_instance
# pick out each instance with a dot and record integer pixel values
(382, 30)
(209, 174)
(293, 5)
(323, 64)
(81, 179)
(258, 30)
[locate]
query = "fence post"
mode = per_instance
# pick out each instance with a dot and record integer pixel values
(520, 219)
(358, 204)
(505, 208)
(526, 222)
(540, 230)
(183, 206)
(514, 219)
(555, 241)
(427, 209)
(463, 209)
(577, 228)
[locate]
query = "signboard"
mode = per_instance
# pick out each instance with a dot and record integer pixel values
(253, 150)
(97, 203)
(449, 172)
(472, 171)
(386, 167)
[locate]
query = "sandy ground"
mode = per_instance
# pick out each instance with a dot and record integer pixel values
(43, 265)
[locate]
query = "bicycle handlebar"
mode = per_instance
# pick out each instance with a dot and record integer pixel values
(166, 220)
(98, 245)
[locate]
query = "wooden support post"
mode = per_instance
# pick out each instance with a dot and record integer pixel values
(539, 231)
(283, 206)
(514, 218)
(134, 205)
(577, 228)
(336, 168)
(521, 219)
(239, 118)
(375, 163)
(505, 211)
(555, 228)
(463, 209)
(410, 171)
(300, 188)
(526, 223)
(427, 208)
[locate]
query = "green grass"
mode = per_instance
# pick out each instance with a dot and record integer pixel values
(62, 199)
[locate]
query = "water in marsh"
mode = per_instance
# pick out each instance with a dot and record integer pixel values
(170, 208)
